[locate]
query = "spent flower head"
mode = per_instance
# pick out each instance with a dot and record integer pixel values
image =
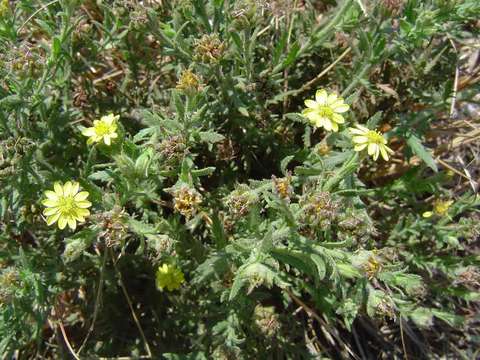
(372, 140)
(440, 208)
(66, 205)
(170, 277)
(325, 110)
(186, 201)
(104, 130)
(188, 82)
(209, 48)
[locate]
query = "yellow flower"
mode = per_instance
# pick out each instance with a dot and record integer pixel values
(440, 208)
(325, 110)
(4, 8)
(170, 277)
(66, 205)
(372, 140)
(104, 129)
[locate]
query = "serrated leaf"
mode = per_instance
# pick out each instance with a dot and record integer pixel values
(372, 123)
(417, 147)
(284, 163)
(203, 172)
(321, 266)
(210, 136)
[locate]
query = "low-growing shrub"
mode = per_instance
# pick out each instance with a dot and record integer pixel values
(250, 179)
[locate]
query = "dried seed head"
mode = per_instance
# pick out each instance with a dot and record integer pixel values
(9, 282)
(186, 201)
(320, 209)
(225, 352)
(323, 149)
(470, 277)
(209, 49)
(189, 83)
(283, 187)
(373, 266)
(395, 7)
(240, 201)
(355, 224)
(267, 321)
(226, 150)
(386, 308)
(114, 226)
(172, 149)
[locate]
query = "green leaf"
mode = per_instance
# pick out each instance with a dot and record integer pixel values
(203, 172)
(422, 317)
(284, 163)
(416, 146)
(321, 266)
(210, 137)
(372, 123)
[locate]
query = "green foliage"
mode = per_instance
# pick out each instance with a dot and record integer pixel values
(290, 241)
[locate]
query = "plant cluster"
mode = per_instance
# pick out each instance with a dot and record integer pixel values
(249, 179)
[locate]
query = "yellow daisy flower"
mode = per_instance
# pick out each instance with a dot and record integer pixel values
(170, 277)
(104, 129)
(372, 140)
(325, 110)
(440, 208)
(66, 205)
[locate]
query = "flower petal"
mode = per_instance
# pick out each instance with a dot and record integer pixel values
(334, 126)
(82, 195)
(338, 118)
(427, 214)
(321, 97)
(50, 211)
(360, 139)
(50, 203)
(82, 212)
(332, 98)
(327, 124)
(51, 195)
(360, 147)
(88, 131)
(83, 204)
(72, 224)
(62, 222)
(383, 151)
(371, 148)
(67, 188)
(58, 188)
(52, 218)
(341, 108)
(106, 140)
(356, 131)
(75, 187)
(362, 128)
(310, 104)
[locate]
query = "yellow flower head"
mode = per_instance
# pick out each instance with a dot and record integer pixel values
(66, 205)
(104, 129)
(372, 140)
(170, 277)
(325, 110)
(4, 8)
(440, 208)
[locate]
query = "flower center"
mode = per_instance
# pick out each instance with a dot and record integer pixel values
(102, 129)
(325, 111)
(441, 207)
(67, 205)
(375, 137)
